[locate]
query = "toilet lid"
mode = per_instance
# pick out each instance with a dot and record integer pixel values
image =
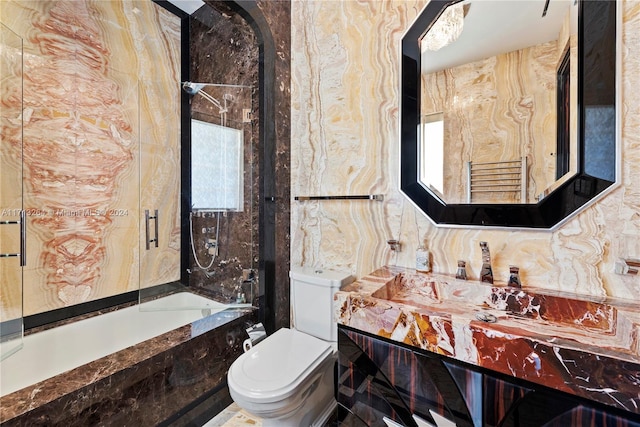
(272, 369)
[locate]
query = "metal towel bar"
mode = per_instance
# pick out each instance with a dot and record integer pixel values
(377, 197)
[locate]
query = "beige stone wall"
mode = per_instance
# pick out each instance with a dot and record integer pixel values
(345, 141)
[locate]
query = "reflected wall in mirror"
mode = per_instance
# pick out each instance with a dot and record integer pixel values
(498, 89)
(496, 107)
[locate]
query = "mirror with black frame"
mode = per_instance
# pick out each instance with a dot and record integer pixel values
(508, 110)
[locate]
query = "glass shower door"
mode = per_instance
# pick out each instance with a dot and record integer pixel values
(222, 222)
(159, 177)
(12, 214)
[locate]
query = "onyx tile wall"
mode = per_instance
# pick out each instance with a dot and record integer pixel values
(92, 84)
(345, 141)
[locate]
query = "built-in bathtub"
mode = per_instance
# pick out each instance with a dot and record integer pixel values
(144, 364)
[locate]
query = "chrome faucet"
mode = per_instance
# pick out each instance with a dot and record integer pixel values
(248, 276)
(486, 274)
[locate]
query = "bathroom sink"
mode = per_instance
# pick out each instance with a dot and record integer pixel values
(410, 290)
(574, 343)
(507, 309)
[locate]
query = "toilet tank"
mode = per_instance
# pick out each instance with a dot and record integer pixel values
(312, 291)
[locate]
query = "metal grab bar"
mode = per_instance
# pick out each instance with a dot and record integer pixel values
(147, 218)
(23, 238)
(376, 197)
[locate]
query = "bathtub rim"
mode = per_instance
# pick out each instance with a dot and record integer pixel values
(20, 403)
(51, 319)
(47, 390)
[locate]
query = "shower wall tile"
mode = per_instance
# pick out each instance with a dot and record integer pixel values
(82, 113)
(224, 49)
(344, 134)
(344, 115)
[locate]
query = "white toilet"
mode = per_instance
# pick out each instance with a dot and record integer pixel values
(288, 378)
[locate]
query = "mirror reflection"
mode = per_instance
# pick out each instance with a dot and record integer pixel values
(498, 110)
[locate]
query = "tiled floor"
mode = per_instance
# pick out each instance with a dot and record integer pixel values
(234, 416)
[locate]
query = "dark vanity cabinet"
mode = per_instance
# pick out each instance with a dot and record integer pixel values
(380, 378)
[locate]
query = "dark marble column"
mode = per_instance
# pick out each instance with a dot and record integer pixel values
(248, 43)
(278, 16)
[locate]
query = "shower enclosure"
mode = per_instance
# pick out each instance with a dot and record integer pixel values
(219, 185)
(97, 166)
(12, 214)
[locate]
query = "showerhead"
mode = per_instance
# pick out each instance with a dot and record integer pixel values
(195, 88)
(192, 88)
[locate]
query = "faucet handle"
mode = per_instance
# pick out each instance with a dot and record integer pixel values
(514, 276)
(461, 273)
(248, 274)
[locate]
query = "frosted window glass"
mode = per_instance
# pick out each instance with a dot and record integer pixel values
(217, 154)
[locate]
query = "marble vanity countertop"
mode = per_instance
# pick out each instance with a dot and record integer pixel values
(585, 346)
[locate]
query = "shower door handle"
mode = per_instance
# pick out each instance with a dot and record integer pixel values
(155, 222)
(148, 218)
(23, 238)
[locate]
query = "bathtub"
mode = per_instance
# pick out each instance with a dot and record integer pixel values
(54, 351)
(143, 364)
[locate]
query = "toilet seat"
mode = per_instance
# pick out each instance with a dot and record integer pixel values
(274, 369)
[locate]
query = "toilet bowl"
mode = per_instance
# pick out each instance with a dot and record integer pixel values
(287, 380)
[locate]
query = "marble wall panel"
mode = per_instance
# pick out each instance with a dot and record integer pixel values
(278, 16)
(224, 51)
(82, 113)
(345, 141)
(220, 32)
